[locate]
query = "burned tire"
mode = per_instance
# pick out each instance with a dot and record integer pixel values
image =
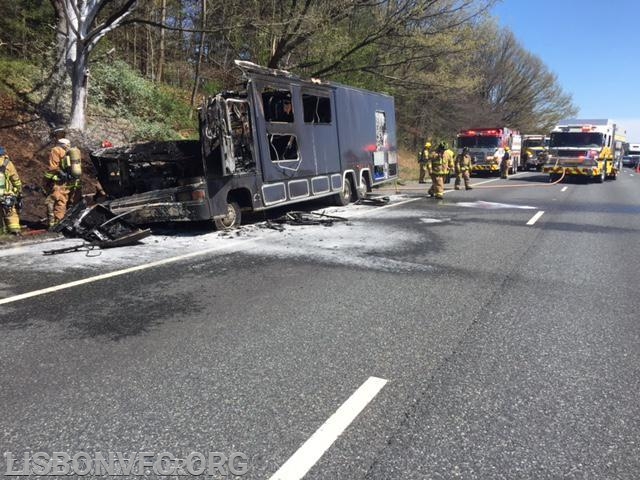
(344, 197)
(231, 220)
(363, 189)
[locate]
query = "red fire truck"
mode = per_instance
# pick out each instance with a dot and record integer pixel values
(486, 147)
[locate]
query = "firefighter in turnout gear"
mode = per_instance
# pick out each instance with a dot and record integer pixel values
(423, 157)
(10, 195)
(62, 180)
(439, 165)
(449, 159)
(463, 169)
(504, 164)
(449, 156)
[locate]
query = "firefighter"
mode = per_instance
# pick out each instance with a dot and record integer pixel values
(449, 154)
(62, 180)
(439, 166)
(463, 169)
(10, 194)
(450, 160)
(504, 164)
(423, 157)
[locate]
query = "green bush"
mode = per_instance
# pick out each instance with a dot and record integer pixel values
(158, 111)
(17, 76)
(152, 131)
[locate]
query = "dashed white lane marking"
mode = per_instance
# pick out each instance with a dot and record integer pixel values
(310, 452)
(117, 273)
(564, 189)
(492, 205)
(535, 218)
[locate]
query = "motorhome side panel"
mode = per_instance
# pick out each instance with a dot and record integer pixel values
(367, 133)
(297, 140)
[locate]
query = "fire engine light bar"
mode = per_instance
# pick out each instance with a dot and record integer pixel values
(480, 132)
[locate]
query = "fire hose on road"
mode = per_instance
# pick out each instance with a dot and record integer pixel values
(527, 184)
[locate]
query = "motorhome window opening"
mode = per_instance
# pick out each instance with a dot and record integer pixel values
(277, 105)
(316, 108)
(283, 147)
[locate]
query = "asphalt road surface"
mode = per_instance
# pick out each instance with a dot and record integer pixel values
(472, 338)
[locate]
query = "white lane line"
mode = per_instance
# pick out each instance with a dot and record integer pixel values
(535, 218)
(483, 182)
(564, 189)
(367, 212)
(55, 288)
(117, 273)
(310, 452)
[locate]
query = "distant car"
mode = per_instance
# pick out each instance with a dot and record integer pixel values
(630, 160)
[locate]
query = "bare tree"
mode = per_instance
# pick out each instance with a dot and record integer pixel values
(80, 28)
(518, 89)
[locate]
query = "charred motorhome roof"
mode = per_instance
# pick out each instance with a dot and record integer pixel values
(253, 70)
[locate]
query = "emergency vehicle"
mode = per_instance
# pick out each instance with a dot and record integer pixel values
(632, 155)
(589, 148)
(487, 145)
(535, 149)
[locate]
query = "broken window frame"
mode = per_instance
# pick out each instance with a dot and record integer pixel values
(278, 151)
(273, 100)
(317, 116)
(233, 144)
(381, 130)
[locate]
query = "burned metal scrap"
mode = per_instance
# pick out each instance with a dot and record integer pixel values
(304, 218)
(377, 200)
(99, 227)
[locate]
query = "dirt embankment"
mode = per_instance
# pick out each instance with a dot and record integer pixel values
(28, 139)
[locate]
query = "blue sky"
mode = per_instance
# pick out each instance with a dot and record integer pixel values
(592, 46)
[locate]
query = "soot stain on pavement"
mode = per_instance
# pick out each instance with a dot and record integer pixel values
(131, 315)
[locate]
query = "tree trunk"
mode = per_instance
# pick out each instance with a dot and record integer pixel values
(163, 19)
(151, 70)
(79, 78)
(196, 80)
(135, 48)
(77, 35)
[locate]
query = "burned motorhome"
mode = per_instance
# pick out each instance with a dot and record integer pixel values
(281, 140)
